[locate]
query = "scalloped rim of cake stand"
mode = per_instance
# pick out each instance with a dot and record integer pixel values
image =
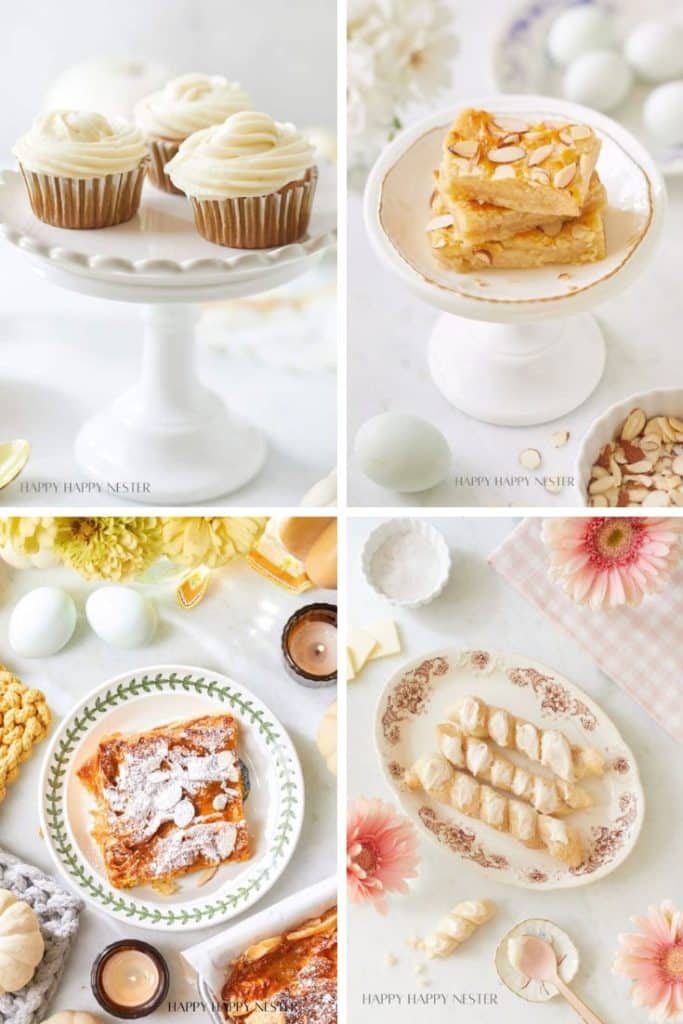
(523, 309)
(239, 265)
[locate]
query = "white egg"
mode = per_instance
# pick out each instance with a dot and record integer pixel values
(578, 30)
(654, 49)
(664, 113)
(42, 622)
(601, 79)
(402, 452)
(121, 616)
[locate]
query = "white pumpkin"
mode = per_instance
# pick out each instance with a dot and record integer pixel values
(327, 737)
(21, 943)
(73, 1017)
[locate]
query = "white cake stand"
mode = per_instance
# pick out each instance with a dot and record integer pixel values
(514, 348)
(169, 439)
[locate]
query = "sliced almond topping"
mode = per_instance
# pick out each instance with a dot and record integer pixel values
(460, 164)
(633, 425)
(530, 458)
(537, 156)
(567, 137)
(511, 124)
(439, 243)
(539, 175)
(599, 501)
(559, 438)
(512, 139)
(658, 499)
(483, 256)
(637, 494)
(677, 465)
(552, 228)
(565, 176)
(602, 485)
(205, 876)
(580, 131)
(675, 423)
(505, 154)
(644, 466)
(444, 220)
(503, 171)
(676, 497)
(585, 165)
(466, 147)
(597, 472)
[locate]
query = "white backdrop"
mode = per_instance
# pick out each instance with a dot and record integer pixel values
(283, 53)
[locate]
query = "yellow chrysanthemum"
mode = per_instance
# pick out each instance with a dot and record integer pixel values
(29, 541)
(109, 547)
(210, 540)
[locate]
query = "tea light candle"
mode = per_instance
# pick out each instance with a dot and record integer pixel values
(309, 645)
(130, 979)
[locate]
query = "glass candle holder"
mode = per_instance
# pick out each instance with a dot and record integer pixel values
(130, 979)
(309, 645)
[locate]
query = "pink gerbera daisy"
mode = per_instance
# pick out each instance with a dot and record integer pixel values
(653, 959)
(607, 562)
(381, 852)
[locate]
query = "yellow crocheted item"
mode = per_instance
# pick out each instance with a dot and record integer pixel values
(24, 721)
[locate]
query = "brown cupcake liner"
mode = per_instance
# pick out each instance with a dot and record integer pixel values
(85, 202)
(258, 222)
(161, 151)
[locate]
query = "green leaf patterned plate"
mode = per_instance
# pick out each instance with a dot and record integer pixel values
(143, 700)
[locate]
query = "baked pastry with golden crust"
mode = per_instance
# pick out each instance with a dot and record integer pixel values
(475, 221)
(168, 801)
(480, 759)
(548, 747)
(542, 168)
(434, 774)
(287, 979)
(580, 240)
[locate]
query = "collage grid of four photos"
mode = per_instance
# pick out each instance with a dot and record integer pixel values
(341, 525)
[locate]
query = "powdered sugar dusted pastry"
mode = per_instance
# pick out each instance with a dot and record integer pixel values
(549, 747)
(440, 780)
(548, 796)
(456, 927)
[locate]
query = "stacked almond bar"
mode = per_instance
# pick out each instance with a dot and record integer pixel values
(513, 194)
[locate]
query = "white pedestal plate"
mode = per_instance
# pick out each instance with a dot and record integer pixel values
(169, 439)
(514, 348)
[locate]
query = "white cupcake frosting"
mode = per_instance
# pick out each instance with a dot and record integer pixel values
(189, 103)
(80, 144)
(248, 155)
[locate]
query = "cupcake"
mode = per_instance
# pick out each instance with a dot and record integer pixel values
(250, 180)
(185, 105)
(81, 169)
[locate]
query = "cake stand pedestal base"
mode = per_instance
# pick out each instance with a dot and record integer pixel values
(169, 440)
(516, 375)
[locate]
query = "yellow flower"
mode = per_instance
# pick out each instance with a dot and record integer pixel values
(210, 540)
(27, 541)
(109, 547)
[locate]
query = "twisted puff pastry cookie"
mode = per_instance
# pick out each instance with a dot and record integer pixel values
(548, 747)
(548, 796)
(439, 779)
(456, 927)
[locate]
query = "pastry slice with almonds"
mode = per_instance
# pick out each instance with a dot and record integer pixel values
(436, 776)
(543, 168)
(560, 243)
(548, 747)
(477, 222)
(478, 756)
(289, 978)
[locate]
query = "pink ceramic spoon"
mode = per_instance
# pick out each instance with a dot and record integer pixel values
(538, 961)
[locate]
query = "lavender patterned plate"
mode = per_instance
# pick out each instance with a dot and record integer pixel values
(418, 697)
(521, 63)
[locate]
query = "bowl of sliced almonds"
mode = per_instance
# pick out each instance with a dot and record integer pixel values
(632, 456)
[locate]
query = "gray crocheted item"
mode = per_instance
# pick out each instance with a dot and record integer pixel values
(58, 913)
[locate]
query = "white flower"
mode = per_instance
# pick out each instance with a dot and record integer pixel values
(399, 53)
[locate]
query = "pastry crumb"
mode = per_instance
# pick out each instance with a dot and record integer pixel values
(390, 960)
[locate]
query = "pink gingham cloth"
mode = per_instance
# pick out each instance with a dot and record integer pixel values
(621, 641)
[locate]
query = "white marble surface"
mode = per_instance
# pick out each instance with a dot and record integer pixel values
(63, 356)
(235, 630)
(479, 608)
(388, 329)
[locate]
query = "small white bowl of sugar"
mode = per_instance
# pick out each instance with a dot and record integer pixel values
(406, 561)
